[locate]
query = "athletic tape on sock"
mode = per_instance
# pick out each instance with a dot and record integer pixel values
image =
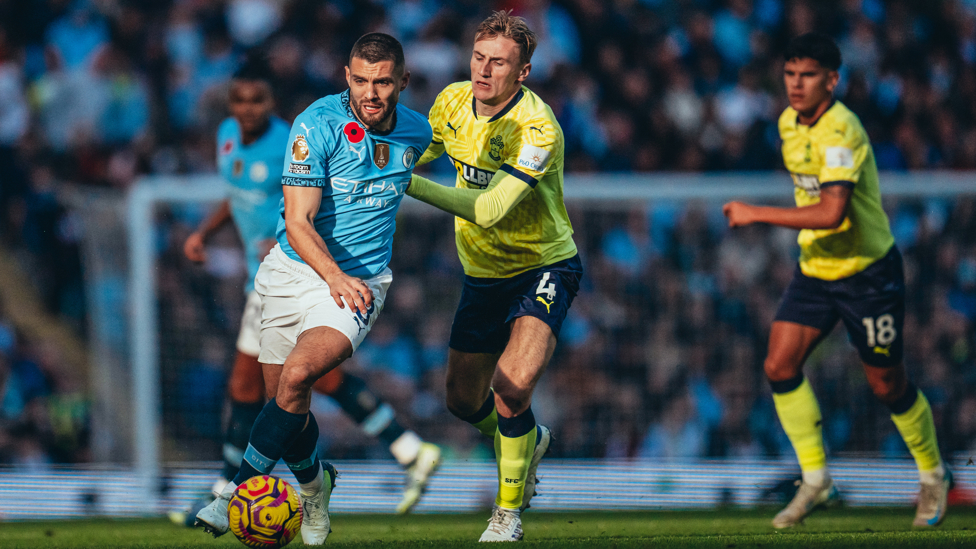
(305, 463)
(378, 420)
(261, 463)
(233, 454)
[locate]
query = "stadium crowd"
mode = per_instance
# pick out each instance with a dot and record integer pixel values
(43, 412)
(663, 350)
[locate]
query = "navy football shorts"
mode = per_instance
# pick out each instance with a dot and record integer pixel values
(482, 323)
(871, 303)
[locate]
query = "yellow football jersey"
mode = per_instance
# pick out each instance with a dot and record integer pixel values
(523, 140)
(836, 150)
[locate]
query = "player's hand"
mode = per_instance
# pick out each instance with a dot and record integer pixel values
(739, 214)
(194, 248)
(356, 293)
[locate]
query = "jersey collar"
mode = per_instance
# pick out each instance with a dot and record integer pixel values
(258, 139)
(814, 123)
(501, 113)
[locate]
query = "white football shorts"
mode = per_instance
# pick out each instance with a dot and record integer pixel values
(294, 299)
(249, 338)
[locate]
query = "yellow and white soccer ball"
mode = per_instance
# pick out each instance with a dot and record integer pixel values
(265, 512)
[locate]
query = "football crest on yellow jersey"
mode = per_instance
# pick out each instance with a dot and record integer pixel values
(496, 148)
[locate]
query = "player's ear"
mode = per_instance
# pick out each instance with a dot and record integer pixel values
(404, 80)
(832, 78)
(524, 73)
(348, 77)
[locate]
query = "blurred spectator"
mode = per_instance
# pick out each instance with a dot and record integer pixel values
(631, 82)
(662, 352)
(76, 39)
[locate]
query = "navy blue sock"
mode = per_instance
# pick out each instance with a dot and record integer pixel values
(273, 433)
(376, 417)
(486, 409)
(787, 385)
(302, 458)
(242, 417)
(514, 427)
(906, 401)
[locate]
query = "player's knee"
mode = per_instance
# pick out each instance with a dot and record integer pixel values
(246, 392)
(461, 406)
(298, 377)
(777, 369)
(246, 383)
(515, 398)
(887, 390)
(460, 400)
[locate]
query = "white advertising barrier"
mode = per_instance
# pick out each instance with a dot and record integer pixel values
(459, 487)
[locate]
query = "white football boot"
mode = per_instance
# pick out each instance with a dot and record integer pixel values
(933, 501)
(504, 525)
(213, 518)
(418, 473)
(316, 525)
(807, 499)
(541, 449)
(218, 486)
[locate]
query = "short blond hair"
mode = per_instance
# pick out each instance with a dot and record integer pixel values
(503, 23)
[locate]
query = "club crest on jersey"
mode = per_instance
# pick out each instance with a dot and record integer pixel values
(381, 155)
(354, 132)
(409, 157)
(299, 149)
(227, 147)
(238, 167)
(496, 148)
(258, 172)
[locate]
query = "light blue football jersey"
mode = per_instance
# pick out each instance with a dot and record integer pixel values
(255, 184)
(363, 175)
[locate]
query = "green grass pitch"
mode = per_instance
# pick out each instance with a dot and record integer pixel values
(699, 529)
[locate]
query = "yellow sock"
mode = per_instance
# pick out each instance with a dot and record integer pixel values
(917, 428)
(514, 456)
(489, 425)
(799, 413)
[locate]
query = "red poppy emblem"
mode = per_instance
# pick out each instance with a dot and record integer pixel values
(354, 132)
(228, 146)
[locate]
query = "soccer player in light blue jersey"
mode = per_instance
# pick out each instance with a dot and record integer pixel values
(250, 151)
(348, 162)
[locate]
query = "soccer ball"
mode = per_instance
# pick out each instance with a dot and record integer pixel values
(265, 512)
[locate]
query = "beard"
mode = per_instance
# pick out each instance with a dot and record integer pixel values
(374, 120)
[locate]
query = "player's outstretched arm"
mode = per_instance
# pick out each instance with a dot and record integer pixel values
(485, 207)
(436, 147)
(301, 206)
(433, 152)
(195, 246)
(829, 213)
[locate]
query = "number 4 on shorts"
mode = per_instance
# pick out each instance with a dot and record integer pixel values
(549, 290)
